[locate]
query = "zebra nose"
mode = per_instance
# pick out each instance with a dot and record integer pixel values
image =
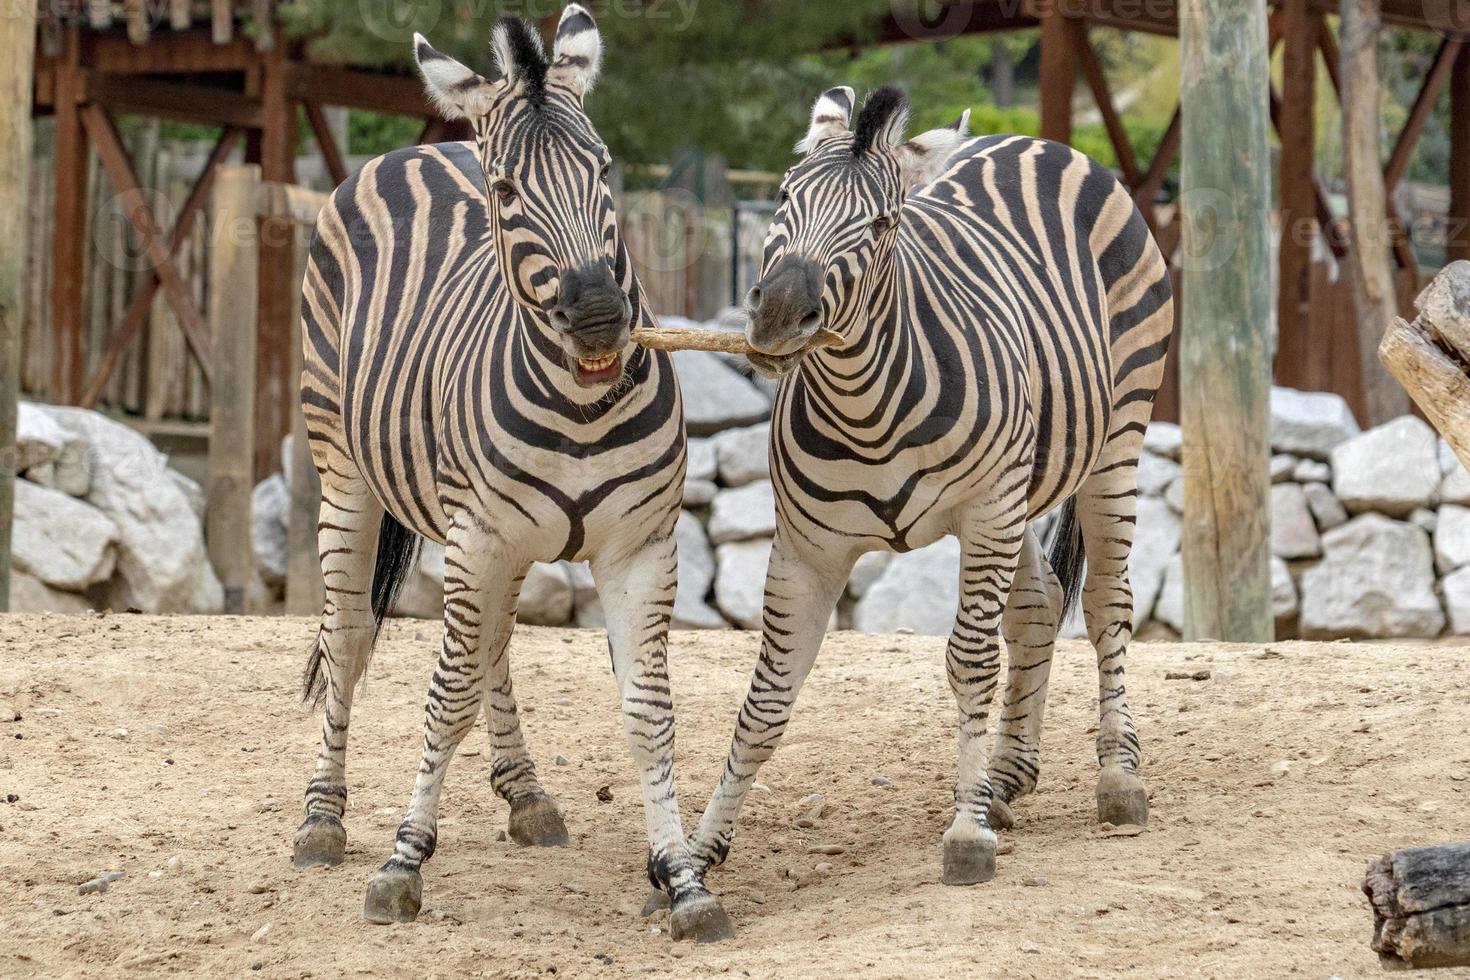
(753, 299)
(808, 325)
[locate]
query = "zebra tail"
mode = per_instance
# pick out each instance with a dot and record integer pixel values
(1067, 556)
(398, 553)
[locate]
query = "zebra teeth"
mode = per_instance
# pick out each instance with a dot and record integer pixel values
(596, 363)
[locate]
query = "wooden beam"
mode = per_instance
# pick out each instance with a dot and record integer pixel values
(1457, 219)
(17, 50)
(232, 308)
(1225, 204)
(1298, 190)
(142, 301)
(326, 142)
(221, 21)
(170, 53)
(174, 100)
(114, 158)
(1403, 147)
(305, 590)
(1092, 70)
(1152, 181)
(1058, 74)
(277, 237)
(375, 91)
(69, 230)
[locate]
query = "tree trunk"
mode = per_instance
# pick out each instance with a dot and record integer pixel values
(1225, 342)
(1002, 72)
(1421, 906)
(1368, 259)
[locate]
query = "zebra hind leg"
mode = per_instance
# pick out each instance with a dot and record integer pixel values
(990, 545)
(1032, 616)
(347, 537)
(1106, 510)
(535, 819)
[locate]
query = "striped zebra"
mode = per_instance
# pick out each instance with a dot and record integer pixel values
(1006, 315)
(469, 378)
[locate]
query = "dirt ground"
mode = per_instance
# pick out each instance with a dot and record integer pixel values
(174, 749)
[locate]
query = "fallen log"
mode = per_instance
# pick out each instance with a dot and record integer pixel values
(720, 341)
(1421, 906)
(1431, 356)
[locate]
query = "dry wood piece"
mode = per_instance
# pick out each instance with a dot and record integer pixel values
(1431, 356)
(1421, 906)
(721, 341)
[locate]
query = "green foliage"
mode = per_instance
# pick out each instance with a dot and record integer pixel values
(373, 133)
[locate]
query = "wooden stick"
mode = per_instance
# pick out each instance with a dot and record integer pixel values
(1429, 357)
(720, 341)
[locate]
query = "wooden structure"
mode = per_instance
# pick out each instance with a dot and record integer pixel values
(1225, 203)
(97, 61)
(1317, 346)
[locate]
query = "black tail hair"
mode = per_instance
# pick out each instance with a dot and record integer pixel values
(398, 553)
(1066, 554)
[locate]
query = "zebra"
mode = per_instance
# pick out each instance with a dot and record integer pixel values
(469, 378)
(1005, 315)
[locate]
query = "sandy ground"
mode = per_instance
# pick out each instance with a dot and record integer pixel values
(146, 739)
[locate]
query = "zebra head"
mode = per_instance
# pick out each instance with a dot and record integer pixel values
(551, 212)
(838, 220)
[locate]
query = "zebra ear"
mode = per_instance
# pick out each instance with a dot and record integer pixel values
(830, 116)
(927, 155)
(457, 92)
(577, 52)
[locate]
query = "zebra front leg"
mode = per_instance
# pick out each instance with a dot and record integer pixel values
(801, 589)
(1107, 510)
(637, 592)
(473, 574)
(347, 536)
(535, 819)
(990, 543)
(1030, 622)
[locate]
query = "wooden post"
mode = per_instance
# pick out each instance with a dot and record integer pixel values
(69, 231)
(1058, 73)
(1298, 189)
(1369, 264)
(1458, 218)
(1428, 356)
(1225, 356)
(232, 312)
(17, 51)
(304, 589)
(273, 360)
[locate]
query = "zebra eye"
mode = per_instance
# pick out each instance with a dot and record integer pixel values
(783, 197)
(604, 171)
(505, 191)
(881, 224)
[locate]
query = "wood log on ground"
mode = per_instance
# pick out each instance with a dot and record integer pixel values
(1431, 356)
(1421, 906)
(720, 341)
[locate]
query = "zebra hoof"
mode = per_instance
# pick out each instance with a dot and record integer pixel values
(700, 919)
(394, 895)
(656, 902)
(321, 840)
(969, 861)
(1121, 797)
(1001, 817)
(536, 821)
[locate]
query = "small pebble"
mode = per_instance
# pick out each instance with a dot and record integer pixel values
(174, 863)
(562, 760)
(259, 934)
(904, 631)
(829, 849)
(881, 780)
(1030, 947)
(604, 794)
(1035, 881)
(258, 889)
(823, 867)
(1187, 675)
(7, 713)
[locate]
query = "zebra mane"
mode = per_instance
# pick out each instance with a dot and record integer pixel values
(520, 55)
(877, 113)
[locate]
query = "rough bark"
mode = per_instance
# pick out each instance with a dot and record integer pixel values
(1431, 356)
(1421, 906)
(721, 341)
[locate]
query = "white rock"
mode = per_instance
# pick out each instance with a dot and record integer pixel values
(699, 493)
(740, 581)
(161, 556)
(42, 475)
(1424, 518)
(1282, 467)
(1309, 423)
(1169, 609)
(745, 512)
(192, 490)
(1155, 543)
(703, 463)
(1452, 538)
(60, 540)
(29, 594)
(1283, 591)
(1163, 439)
(1326, 509)
(1293, 532)
(744, 454)
(1311, 471)
(865, 572)
(1455, 487)
(1155, 473)
(715, 396)
(1375, 580)
(1456, 586)
(919, 590)
(696, 575)
(546, 596)
(1392, 469)
(269, 502)
(58, 454)
(587, 604)
(1174, 496)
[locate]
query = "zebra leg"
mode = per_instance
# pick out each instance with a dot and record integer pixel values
(472, 574)
(990, 544)
(802, 587)
(535, 819)
(637, 591)
(1106, 512)
(347, 536)
(1030, 623)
